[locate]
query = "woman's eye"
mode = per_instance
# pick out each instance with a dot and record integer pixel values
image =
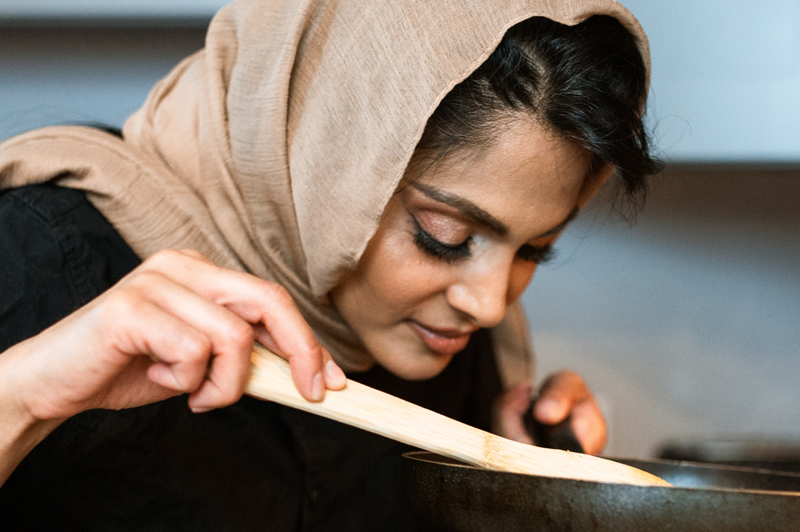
(537, 254)
(441, 250)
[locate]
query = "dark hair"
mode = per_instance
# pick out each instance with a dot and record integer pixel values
(587, 82)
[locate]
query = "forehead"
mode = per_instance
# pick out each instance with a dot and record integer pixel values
(527, 178)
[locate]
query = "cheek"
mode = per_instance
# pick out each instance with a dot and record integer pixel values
(520, 277)
(397, 275)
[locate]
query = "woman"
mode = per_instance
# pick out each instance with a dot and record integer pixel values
(331, 178)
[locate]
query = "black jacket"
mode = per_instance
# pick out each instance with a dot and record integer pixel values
(252, 466)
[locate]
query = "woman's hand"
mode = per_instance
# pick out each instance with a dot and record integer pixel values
(563, 394)
(176, 324)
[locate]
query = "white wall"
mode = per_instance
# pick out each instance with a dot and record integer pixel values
(50, 76)
(726, 78)
(109, 9)
(90, 60)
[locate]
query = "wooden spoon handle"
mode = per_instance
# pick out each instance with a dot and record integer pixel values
(394, 418)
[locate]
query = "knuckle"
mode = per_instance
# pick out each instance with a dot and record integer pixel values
(307, 352)
(149, 278)
(162, 258)
(194, 348)
(311, 350)
(193, 253)
(277, 293)
(238, 333)
(123, 302)
(143, 285)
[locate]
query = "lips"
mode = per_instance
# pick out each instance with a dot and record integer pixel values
(442, 341)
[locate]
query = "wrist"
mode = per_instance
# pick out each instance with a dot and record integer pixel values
(20, 430)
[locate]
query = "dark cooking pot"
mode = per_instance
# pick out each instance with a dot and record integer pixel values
(448, 496)
(763, 453)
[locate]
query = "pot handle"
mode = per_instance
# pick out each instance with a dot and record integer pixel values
(558, 436)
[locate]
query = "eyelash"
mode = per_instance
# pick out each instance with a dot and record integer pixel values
(539, 255)
(451, 253)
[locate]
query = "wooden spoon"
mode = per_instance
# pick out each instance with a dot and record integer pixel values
(384, 414)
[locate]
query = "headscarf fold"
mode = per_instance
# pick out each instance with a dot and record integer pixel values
(275, 149)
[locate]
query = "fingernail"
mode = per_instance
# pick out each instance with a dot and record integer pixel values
(317, 388)
(334, 376)
(200, 409)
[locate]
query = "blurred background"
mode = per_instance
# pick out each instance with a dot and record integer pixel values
(686, 322)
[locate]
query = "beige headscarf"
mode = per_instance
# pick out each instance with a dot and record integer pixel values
(275, 149)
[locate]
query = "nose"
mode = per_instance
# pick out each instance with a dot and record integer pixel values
(482, 295)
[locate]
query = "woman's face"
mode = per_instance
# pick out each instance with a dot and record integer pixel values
(455, 247)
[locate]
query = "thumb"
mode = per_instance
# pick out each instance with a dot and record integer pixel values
(558, 396)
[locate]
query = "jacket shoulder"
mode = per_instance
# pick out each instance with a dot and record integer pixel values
(57, 252)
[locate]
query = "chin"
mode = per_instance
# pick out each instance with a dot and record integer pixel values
(416, 367)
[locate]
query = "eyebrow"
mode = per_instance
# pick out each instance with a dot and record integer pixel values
(560, 227)
(480, 216)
